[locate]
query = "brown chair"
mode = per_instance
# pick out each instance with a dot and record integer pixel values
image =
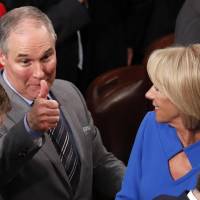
(160, 43)
(117, 103)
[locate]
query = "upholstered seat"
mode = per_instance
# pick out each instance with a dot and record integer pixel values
(117, 103)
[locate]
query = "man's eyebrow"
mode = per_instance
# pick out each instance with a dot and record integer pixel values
(22, 55)
(50, 50)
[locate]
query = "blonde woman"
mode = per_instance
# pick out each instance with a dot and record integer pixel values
(166, 155)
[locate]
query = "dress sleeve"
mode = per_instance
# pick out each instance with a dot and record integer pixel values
(131, 182)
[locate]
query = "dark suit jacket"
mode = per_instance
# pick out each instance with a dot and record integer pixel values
(167, 197)
(188, 23)
(29, 171)
(118, 24)
(67, 16)
(114, 28)
(161, 18)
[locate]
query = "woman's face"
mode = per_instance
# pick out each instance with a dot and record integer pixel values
(166, 111)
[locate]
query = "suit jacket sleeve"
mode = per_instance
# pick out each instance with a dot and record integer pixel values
(138, 13)
(108, 170)
(16, 148)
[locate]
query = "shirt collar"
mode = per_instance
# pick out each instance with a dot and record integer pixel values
(30, 102)
(12, 88)
(191, 196)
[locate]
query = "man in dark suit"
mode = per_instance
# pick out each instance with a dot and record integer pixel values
(114, 31)
(187, 29)
(58, 154)
(121, 29)
(160, 20)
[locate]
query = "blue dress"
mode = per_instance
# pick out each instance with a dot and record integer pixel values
(148, 174)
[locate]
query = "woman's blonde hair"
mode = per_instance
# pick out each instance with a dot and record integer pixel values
(175, 71)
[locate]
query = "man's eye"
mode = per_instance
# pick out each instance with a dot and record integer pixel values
(25, 62)
(46, 58)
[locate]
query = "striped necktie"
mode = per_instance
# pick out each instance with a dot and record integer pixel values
(62, 139)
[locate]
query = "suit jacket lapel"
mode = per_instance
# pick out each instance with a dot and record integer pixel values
(69, 115)
(71, 118)
(50, 151)
(74, 123)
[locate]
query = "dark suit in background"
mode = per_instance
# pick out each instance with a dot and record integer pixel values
(113, 30)
(160, 21)
(117, 25)
(67, 16)
(166, 197)
(188, 23)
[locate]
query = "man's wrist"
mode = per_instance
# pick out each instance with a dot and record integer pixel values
(34, 134)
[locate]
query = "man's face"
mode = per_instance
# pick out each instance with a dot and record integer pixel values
(30, 58)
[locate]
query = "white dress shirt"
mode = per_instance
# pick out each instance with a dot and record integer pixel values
(191, 196)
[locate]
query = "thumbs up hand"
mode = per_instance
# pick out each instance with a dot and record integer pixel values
(44, 89)
(44, 114)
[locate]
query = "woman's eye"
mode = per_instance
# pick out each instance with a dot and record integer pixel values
(156, 89)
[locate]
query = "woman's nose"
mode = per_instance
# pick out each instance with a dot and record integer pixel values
(150, 93)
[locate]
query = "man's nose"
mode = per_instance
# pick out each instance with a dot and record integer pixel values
(38, 71)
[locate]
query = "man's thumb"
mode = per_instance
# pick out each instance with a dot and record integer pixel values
(44, 89)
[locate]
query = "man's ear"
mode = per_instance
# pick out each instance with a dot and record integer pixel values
(2, 58)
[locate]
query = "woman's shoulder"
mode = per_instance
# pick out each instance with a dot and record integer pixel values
(150, 122)
(152, 132)
(150, 118)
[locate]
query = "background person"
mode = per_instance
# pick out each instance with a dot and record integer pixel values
(187, 27)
